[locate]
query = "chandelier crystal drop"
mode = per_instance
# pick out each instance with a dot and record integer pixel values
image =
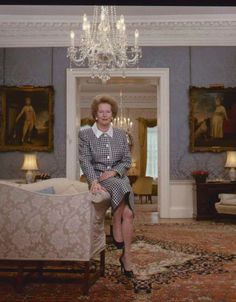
(103, 44)
(122, 121)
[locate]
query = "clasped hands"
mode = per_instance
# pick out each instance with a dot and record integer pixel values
(96, 186)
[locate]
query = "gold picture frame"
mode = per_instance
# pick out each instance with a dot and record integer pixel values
(212, 119)
(26, 118)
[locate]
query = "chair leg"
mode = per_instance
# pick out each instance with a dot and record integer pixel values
(102, 263)
(40, 268)
(86, 278)
(19, 278)
(111, 230)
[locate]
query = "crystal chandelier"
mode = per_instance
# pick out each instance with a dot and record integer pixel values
(122, 121)
(103, 45)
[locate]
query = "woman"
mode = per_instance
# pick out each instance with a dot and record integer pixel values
(217, 120)
(104, 159)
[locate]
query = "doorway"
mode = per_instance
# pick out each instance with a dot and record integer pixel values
(160, 76)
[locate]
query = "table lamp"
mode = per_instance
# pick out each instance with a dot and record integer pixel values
(231, 163)
(29, 165)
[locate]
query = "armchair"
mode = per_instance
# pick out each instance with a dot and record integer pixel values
(143, 187)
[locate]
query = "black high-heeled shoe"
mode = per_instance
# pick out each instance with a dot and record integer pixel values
(128, 274)
(119, 244)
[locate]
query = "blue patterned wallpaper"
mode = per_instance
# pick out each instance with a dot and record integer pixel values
(197, 66)
(1, 65)
(39, 67)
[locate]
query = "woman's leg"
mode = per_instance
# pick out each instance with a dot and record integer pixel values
(117, 222)
(25, 129)
(127, 232)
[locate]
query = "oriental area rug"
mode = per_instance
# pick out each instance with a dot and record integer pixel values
(172, 262)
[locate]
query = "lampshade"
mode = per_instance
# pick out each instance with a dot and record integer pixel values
(30, 162)
(231, 159)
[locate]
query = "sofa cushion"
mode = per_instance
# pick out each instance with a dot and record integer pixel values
(225, 208)
(48, 190)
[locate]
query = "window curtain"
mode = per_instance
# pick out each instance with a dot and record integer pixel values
(152, 152)
(143, 125)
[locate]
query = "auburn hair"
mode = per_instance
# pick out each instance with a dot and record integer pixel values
(103, 99)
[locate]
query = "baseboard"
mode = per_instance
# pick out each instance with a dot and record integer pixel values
(178, 212)
(181, 203)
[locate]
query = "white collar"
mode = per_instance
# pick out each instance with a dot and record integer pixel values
(98, 132)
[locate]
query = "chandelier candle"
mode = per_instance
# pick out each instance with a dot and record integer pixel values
(72, 37)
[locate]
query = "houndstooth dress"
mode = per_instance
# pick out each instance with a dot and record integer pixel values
(107, 152)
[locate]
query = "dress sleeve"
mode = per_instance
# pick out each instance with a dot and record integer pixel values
(85, 157)
(124, 164)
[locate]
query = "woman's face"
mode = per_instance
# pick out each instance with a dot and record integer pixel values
(28, 101)
(104, 115)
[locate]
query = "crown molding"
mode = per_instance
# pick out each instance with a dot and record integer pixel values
(175, 30)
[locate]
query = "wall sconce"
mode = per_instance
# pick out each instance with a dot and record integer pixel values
(29, 165)
(231, 163)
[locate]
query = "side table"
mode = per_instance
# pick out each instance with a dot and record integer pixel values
(205, 197)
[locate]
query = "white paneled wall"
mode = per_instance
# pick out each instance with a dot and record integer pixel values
(181, 199)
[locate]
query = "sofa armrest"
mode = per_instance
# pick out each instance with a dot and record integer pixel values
(100, 197)
(227, 202)
(38, 226)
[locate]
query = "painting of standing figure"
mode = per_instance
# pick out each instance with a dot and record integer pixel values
(26, 117)
(212, 119)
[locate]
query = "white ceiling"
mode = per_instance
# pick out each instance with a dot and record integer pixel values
(127, 10)
(48, 26)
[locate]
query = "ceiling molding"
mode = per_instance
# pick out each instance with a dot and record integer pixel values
(175, 30)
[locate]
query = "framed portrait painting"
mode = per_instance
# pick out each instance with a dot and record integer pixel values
(212, 119)
(26, 118)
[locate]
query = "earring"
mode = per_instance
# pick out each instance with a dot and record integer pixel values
(96, 118)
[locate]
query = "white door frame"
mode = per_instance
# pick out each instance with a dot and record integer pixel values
(72, 127)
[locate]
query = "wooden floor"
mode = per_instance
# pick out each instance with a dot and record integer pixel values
(147, 213)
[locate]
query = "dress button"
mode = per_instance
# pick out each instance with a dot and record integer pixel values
(108, 167)
(107, 145)
(105, 135)
(108, 157)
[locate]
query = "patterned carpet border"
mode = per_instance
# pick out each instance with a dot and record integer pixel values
(204, 263)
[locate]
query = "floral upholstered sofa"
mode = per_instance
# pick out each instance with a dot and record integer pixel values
(52, 220)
